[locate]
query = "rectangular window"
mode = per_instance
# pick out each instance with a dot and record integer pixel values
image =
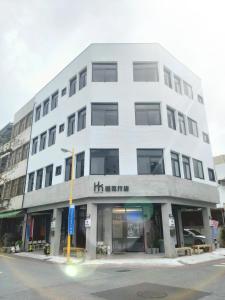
(211, 175)
(38, 113)
(186, 167)
(52, 136)
(18, 155)
(61, 127)
(21, 185)
(200, 99)
(48, 175)
(7, 190)
(167, 77)
(34, 145)
(25, 151)
(193, 127)
(39, 178)
(30, 182)
(68, 169)
(80, 165)
(73, 84)
(54, 100)
(198, 169)
(71, 125)
(150, 161)
(46, 107)
(171, 118)
(29, 118)
(145, 71)
(177, 84)
(83, 78)
(105, 114)
(14, 188)
(205, 137)
(63, 92)
(81, 119)
(188, 90)
(104, 162)
(104, 72)
(182, 124)
(175, 164)
(147, 114)
(43, 139)
(22, 125)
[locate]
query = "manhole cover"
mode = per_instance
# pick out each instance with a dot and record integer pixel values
(151, 294)
(123, 270)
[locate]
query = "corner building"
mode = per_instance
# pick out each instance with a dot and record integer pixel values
(136, 119)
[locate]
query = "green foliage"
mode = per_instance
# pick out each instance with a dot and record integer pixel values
(222, 236)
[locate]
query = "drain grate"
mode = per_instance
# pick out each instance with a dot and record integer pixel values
(151, 295)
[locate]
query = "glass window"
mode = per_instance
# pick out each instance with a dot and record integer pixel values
(46, 107)
(104, 114)
(83, 78)
(186, 167)
(29, 118)
(39, 178)
(211, 175)
(21, 185)
(147, 114)
(104, 72)
(145, 71)
(7, 190)
(43, 139)
(22, 125)
(63, 92)
(177, 84)
(104, 162)
(68, 169)
(71, 125)
(193, 127)
(182, 124)
(171, 118)
(18, 155)
(73, 83)
(198, 169)
(58, 170)
(54, 100)
(200, 99)
(81, 119)
(48, 175)
(30, 182)
(25, 151)
(175, 164)
(52, 136)
(150, 161)
(80, 165)
(205, 137)
(34, 145)
(188, 90)
(14, 187)
(167, 77)
(61, 127)
(38, 113)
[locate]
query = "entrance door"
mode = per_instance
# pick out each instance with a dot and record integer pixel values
(128, 229)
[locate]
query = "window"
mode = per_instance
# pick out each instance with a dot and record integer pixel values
(52, 136)
(48, 175)
(21, 185)
(25, 151)
(43, 139)
(104, 162)
(147, 114)
(30, 182)
(58, 170)
(82, 78)
(38, 113)
(150, 161)
(186, 167)
(177, 84)
(182, 124)
(193, 127)
(45, 107)
(200, 99)
(80, 165)
(145, 71)
(81, 119)
(104, 72)
(188, 90)
(18, 155)
(171, 118)
(34, 146)
(73, 83)
(14, 187)
(205, 137)
(61, 127)
(198, 169)
(54, 100)
(7, 190)
(104, 114)
(39, 178)
(68, 169)
(175, 164)
(211, 175)
(167, 77)
(29, 118)
(71, 125)
(63, 92)
(22, 125)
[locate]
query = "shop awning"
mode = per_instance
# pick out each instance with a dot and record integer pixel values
(11, 214)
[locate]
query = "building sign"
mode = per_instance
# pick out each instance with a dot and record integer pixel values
(71, 220)
(100, 188)
(171, 221)
(88, 222)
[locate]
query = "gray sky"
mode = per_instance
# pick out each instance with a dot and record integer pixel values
(39, 37)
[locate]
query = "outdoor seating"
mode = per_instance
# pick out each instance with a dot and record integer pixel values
(202, 248)
(184, 251)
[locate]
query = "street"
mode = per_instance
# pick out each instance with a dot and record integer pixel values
(22, 278)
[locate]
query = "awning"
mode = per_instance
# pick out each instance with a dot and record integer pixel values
(11, 214)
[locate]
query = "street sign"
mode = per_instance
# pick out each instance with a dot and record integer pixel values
(71, 220)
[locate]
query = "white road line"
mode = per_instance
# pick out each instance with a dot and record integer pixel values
(219, 266)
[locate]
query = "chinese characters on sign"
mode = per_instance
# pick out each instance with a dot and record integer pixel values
(100, 188)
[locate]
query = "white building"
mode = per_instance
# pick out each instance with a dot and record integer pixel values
(136, 119)
(219, 162)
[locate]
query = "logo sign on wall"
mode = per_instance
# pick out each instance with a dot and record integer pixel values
(71, 220)
(100, 188)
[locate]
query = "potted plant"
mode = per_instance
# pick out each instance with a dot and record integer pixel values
(18, 246)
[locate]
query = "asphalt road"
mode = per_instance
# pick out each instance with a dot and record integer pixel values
(23, 278)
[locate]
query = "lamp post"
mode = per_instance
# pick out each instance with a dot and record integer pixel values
(70, 200)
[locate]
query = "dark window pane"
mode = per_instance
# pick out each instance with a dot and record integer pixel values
(104, 72)
(175, 164)
(30, 182)
(186, 167)
(83, 79)
(52, 136)
(211, 175)
(61, 128)
(43, 141)
(73, 83)
(38, 113)
(104, 114)
(54, 101)
(39, 179)
(193, 127)
(150, 161)
(145, 71)
(63, 92)
(80, 165)
(198, 169)
(45, 107)
(68, 169)
(34, 145)
(71, 125)
(171, 118)
(48, 176)
(167, 77)
(81, 119)
(147, 114)
(104, 161)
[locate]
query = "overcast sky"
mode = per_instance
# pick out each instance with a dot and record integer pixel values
(39, 37)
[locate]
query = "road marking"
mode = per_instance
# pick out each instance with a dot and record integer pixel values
(5, 256)
(219, 266)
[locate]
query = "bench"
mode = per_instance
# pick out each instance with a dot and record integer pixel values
(184, 251)
(78, 252)
(202, 248)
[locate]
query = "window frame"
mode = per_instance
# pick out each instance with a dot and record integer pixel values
(38, 184)
(175, 161)
(56, 93)
(174, 125)
(161, 157)
(83, 119)
(150, 63)
(68, 124)
(182, 117)
(147, 111)
(41, 145)
(185, 164)
(83, 71)
(191, 129)
(104, 77)
(49, 136)
(45, 111)
(168, 72)
(37, 113)
(46, 168)
(200, 163)
(72, 92)
(105, 110)
(105, 166)
(77, 157)
(211, 172)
